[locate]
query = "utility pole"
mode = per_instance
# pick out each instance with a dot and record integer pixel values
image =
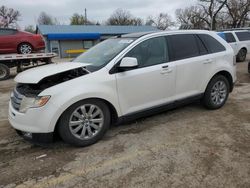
(86, 19)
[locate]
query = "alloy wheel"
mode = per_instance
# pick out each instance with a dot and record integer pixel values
(25, 49)
(219, 92)
(86, 121)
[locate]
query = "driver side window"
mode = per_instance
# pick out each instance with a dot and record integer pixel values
(150, 52)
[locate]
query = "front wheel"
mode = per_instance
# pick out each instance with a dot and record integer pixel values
(216, 93)
(85, 122)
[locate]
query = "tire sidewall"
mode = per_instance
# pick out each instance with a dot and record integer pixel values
(64, 130)
(7, 71)
(241, 55)
(207, 96)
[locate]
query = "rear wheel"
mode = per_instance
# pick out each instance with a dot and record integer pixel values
(24, 48)
(85, 122)
(216, 93)
(4, 72)
(241, 56)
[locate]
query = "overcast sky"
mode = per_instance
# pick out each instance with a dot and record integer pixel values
(98, 10)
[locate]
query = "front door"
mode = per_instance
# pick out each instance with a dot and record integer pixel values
(152, 83)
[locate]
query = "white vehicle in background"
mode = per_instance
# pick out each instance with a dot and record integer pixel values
(239, 41)
(126, 77)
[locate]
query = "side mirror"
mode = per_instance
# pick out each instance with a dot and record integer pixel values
(128, 63)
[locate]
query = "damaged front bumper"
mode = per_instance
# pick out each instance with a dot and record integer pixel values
(29, 127)
(32, 125)
(34, 120)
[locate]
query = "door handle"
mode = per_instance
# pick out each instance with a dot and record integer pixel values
(166, 71)
(208, 61)
(165, 66)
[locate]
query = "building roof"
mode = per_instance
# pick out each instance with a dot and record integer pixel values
(104, 30)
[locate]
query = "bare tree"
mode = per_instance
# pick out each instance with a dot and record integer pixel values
(212, 9)
(238, 11)
(162, 21)
(46, 19)
(123, 17)
(79, 19)
(193, 16)
(30, 28)
(223, 20)
(136, 21)
(215, 14)
(8, 17)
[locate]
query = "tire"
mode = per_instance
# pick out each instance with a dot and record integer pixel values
(241, 56)
(215, 97)
(24, 48)
(79, 134)
(4, 72)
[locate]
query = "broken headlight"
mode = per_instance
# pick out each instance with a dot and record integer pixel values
(30, 102)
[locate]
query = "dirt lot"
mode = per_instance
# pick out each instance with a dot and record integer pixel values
(185, 147)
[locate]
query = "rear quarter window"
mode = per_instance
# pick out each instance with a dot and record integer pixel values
(229, 37)
(211, 43)
(243, 36)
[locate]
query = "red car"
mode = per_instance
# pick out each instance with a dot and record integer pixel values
(15, 41)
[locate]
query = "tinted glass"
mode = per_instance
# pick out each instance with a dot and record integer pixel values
(7, 32)
(229, 37)
(183, 46)
(243, 36)
(150, 52)
(211, 43)
(202, 48)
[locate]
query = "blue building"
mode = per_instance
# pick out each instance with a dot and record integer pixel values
(71, 40)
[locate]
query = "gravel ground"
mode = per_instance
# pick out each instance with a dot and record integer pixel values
(185, 147)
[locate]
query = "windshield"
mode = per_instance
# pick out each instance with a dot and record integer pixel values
(104, 52)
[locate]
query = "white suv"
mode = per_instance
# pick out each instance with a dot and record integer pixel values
(239, 41)
(121, 78)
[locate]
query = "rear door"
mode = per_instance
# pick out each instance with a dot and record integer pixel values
(244, 38)
(185, 52)
(232, 41)
(191, 54)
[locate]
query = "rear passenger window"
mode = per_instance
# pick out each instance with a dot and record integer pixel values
(243, 36)
(7, 32)
(183, 46)
(211, 43)
(229, 37)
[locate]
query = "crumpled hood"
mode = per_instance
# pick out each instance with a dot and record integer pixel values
(34, 75)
